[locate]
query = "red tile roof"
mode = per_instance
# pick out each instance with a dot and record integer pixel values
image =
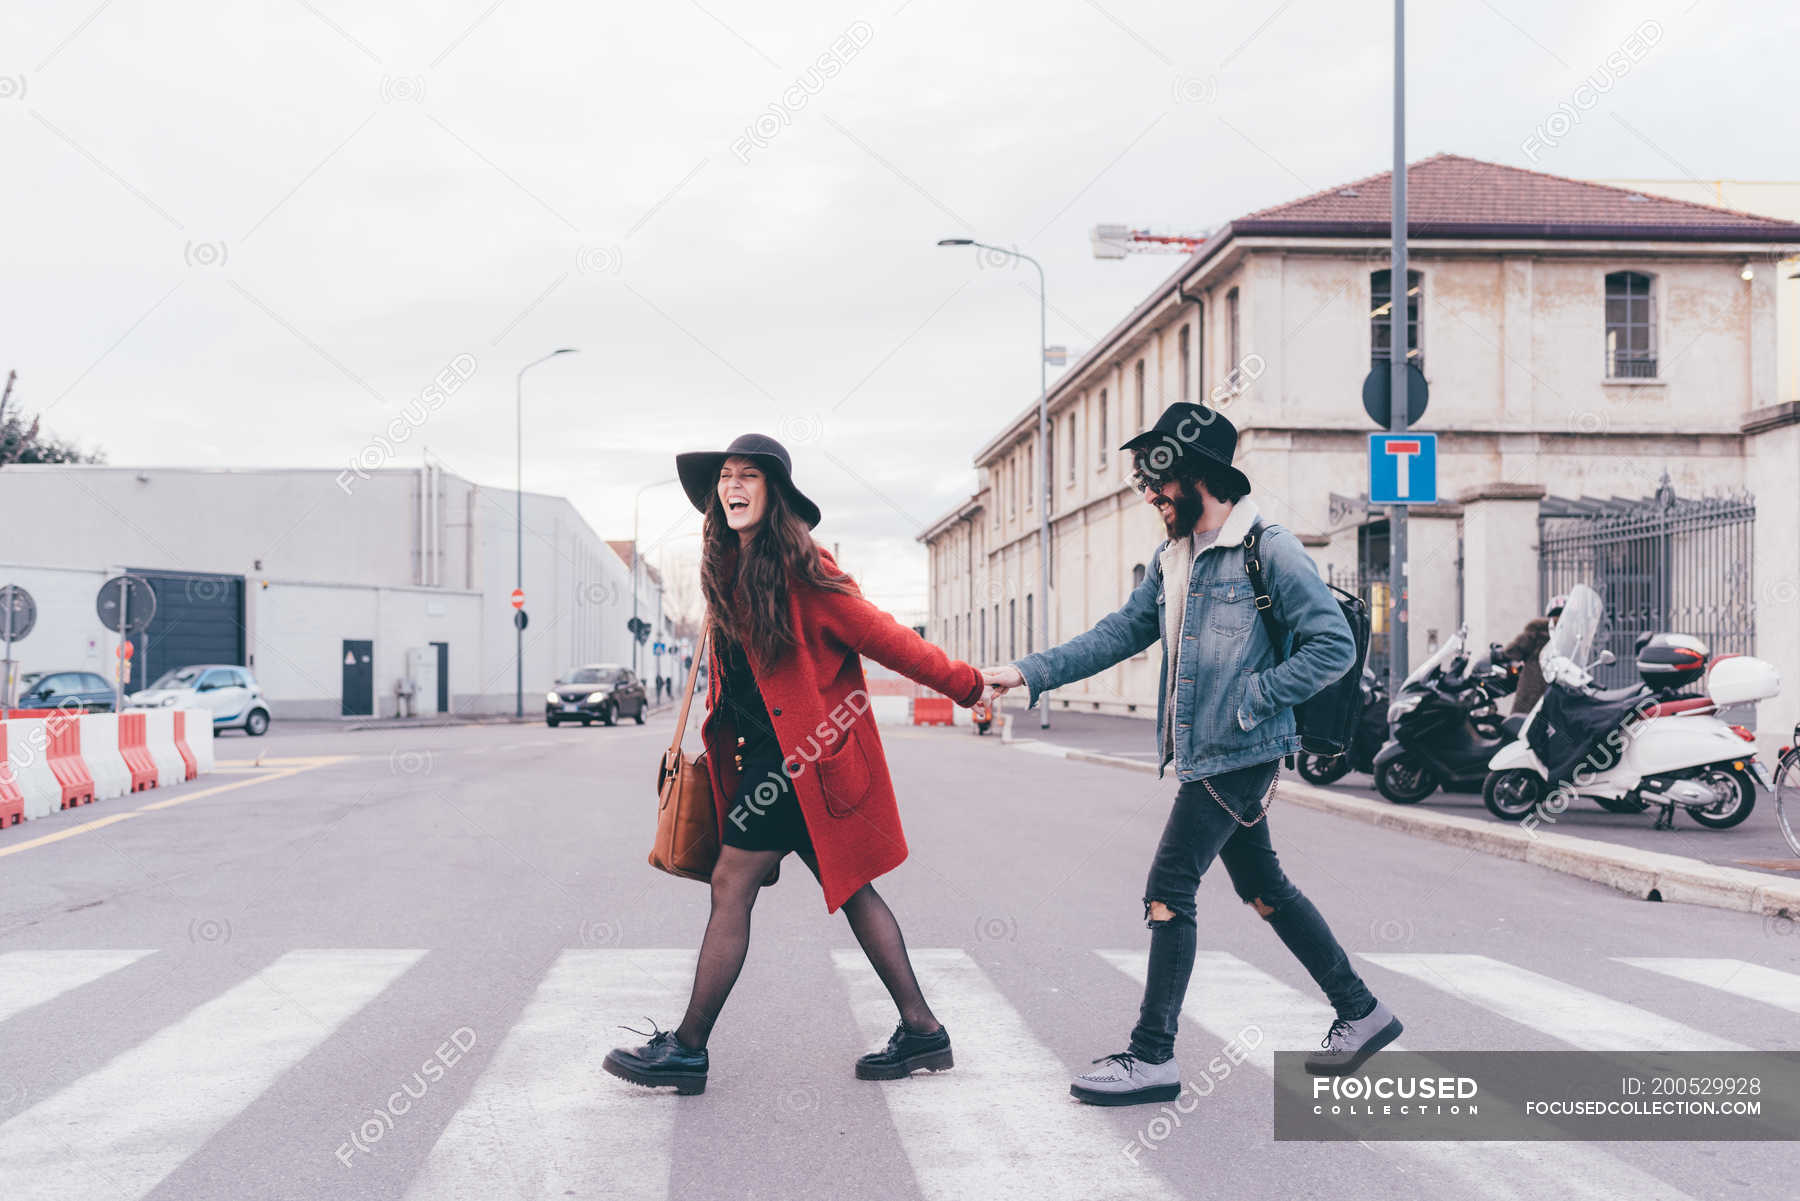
(1448, 195)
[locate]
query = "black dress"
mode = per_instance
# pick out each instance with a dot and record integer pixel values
(764, 815)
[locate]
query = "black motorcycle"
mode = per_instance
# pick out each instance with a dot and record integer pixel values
(1446, 724)
(1371, 732)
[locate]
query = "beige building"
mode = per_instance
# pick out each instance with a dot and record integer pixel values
(1581, 342)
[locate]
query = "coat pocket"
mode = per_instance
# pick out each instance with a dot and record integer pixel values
(844, 777)
(1230, 607)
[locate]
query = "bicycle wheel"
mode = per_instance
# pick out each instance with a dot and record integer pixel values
(1787, 798)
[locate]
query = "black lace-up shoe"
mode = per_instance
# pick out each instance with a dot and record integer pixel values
(906, 1052)
(665, 1059)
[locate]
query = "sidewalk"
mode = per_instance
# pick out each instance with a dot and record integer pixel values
(1748, 867)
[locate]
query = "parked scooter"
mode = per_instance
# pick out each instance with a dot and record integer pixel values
(1630, 748)
(1445, 724)
(1371, 732)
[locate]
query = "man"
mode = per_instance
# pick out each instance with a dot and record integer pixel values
(1224, 716)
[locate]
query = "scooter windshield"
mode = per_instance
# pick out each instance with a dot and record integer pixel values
(1451, 647)
(1573, 637)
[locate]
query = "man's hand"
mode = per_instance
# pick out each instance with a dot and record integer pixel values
(1002, 678)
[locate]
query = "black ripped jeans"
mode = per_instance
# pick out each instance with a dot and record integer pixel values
(1201, 827)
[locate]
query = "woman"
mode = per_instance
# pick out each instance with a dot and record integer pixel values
(795, 758)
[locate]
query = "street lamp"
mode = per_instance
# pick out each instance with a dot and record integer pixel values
(1043, 454)
(519, 523)
(634, 569)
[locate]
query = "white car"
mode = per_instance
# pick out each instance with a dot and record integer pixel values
(231, 692)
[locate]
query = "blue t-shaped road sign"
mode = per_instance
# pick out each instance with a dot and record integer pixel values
(1402, 469)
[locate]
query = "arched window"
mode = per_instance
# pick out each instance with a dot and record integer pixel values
(1630, 326)
(1137, 574)
(1381, 313)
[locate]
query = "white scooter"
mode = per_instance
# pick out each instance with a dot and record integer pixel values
(1623, 749)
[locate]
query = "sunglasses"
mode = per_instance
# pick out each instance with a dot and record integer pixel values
(1142, 478)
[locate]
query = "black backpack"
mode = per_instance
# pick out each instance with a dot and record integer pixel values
(1327, 720)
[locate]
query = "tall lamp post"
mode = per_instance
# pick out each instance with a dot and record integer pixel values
(1043, 454)
(634, 570)
(519, 524)
(1399, 342)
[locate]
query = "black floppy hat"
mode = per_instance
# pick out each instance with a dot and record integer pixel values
(699, 472)
(1187, 429)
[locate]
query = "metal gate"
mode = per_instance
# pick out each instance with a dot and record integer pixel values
(1664, 564)
(1370, 582)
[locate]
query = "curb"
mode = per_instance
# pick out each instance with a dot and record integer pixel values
(1648, 875)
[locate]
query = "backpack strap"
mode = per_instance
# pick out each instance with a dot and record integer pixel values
(1259, 583)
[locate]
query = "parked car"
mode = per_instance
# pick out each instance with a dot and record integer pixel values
(231, 692)
(84, 690)
(602, 692)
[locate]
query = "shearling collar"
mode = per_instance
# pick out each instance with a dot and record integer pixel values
(1177, 554)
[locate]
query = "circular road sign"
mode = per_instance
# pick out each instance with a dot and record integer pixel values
(520, 620)
(1378, 394)
(139, 602)
(18, 613)
(518, 598)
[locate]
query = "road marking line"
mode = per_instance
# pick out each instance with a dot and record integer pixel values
(1003, 1115)
(179, 799)
(29, 978)
(71, 832)
(1228, 996)
(114, 1134)
(1738, 977)
(1574, 1015)
(543, 1120)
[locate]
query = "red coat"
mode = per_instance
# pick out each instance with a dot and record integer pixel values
(819, 706)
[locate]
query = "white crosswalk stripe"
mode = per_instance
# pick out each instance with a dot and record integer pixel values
(1003, 1117)
(114, 1133)
(29, 978)
(543, 1120)
(1563, 1011)
(1739, 977)
(1228, 997)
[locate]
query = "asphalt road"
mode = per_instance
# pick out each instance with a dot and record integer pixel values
(386, 964)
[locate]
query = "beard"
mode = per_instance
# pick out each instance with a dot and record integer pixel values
(1182, 515)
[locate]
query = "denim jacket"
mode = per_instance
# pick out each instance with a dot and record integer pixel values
(1233, 700)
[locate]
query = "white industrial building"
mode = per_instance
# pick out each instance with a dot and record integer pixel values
(339, 590)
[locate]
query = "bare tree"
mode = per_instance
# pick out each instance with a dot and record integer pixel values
(23, 441)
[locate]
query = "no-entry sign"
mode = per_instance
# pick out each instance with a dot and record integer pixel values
(518, 598)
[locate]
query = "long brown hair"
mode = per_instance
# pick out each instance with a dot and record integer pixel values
(750, 607)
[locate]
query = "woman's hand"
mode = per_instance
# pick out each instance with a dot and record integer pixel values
(1002, 678)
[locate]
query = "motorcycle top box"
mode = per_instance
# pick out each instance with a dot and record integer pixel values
(1669, 662)
(1741, 678)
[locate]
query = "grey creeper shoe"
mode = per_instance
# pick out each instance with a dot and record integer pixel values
(1348, 1044)
(1127, 1080)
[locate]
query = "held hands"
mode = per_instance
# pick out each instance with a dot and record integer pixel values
(999, 679)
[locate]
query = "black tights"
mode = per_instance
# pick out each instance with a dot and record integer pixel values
(736, 880)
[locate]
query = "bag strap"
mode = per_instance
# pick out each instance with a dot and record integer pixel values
(687, 698)
(1259, 583)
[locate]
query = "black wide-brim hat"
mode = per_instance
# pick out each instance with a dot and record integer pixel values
(699, 472)
(1187, 429)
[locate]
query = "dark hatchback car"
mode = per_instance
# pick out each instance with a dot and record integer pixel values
(599, 692)
(84, 690)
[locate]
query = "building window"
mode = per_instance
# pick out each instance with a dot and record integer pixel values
(981, 647)
(1102, 434)
(996, 629)
(1185, 359)
(1030, 625)
(1381, 311)
(1138, 373)
(1630, 326)
(1030, 478)
(1137, 574)
(1231, 332)
(1012, 623)
(1073, 447)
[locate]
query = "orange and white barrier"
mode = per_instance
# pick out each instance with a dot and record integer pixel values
(100, 750)
(61, 760)
(159, 739)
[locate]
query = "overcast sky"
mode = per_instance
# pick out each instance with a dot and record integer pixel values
(250, 234)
